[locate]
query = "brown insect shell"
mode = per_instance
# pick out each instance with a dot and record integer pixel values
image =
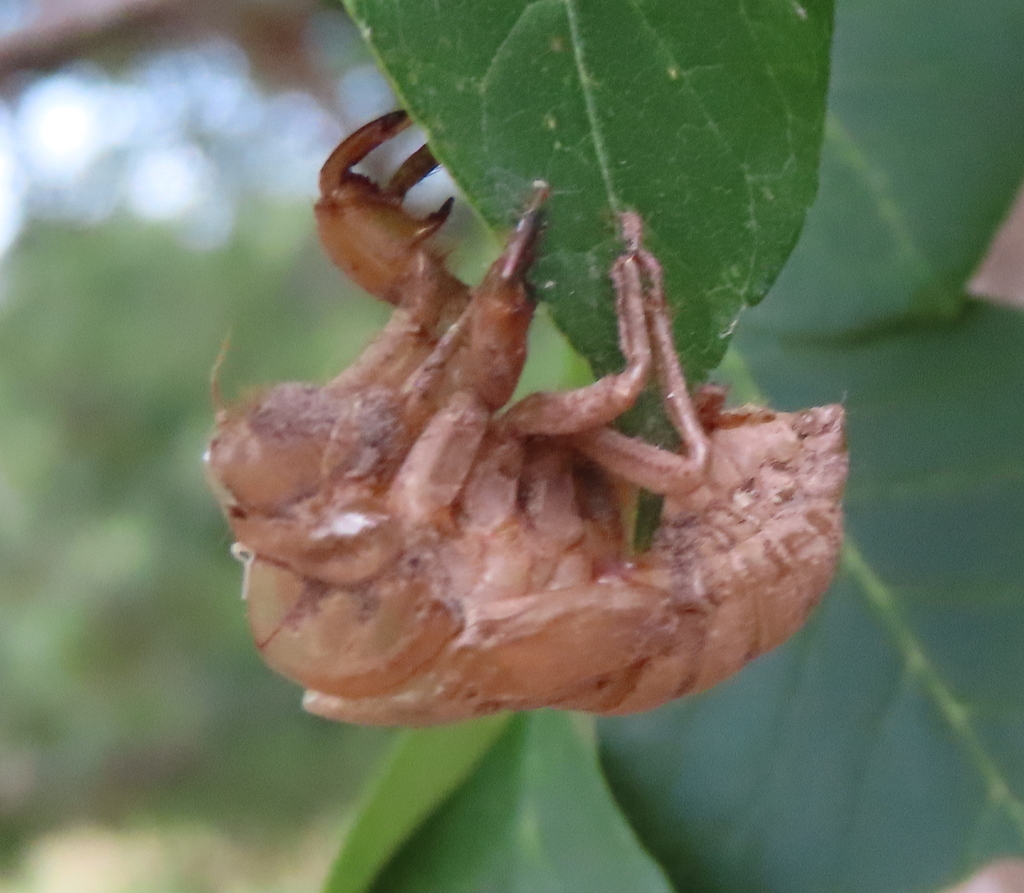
(408, 575)
(301, 473)
(759, 540)
(735, 568)
(285, 443)
(502, 311)
(378, 244)
(341, 651)
(299, 470)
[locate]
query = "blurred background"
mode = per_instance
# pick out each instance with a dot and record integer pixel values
(158, 162)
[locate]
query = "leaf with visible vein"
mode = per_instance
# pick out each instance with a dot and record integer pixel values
(880, 751)
(921, 161)
(883, 749)
(706, 117)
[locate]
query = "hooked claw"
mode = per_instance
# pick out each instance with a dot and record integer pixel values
(363, 226)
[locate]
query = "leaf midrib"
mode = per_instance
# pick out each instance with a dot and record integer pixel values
(590, 104)
(918, 665)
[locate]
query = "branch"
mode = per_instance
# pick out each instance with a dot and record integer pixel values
(66, 29)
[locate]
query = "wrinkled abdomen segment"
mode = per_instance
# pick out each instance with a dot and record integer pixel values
(627, 641)
(759, 582)
(761, 545)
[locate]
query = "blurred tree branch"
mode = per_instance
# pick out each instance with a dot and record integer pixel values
(272, 32)
(65, 29)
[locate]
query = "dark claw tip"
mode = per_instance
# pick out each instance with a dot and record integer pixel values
(442, 213)
(392, 119)
(519, 253)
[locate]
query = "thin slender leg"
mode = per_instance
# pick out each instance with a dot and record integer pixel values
(390, 358)
(492, 329)
(421, 389)
(669, 371)
(590, 407)
(644, 465)
(641, 463)
(438, 464)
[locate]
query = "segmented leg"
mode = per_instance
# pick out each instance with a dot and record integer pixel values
(675, 394)
(638, 462)
(439, 462)
(337, 169)
(590, 407)
(395, 354)
(368, 233)
(491, 336)
(337, 177)
(490, 333)
(418, 166)
(501, 311)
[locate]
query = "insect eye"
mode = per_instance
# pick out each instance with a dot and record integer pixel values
(219, 489)
(246, 467)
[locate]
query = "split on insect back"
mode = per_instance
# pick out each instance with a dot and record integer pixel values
(418, 553)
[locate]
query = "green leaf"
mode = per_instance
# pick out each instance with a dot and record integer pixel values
(883, 749)
(536, 817)
(922, 157)
(425, 766)
(706, 117)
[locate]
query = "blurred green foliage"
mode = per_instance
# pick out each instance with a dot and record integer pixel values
(130, 682)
